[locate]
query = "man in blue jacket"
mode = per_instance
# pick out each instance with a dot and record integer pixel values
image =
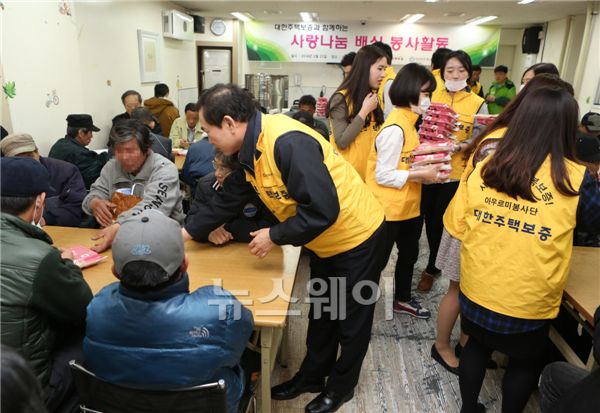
(149, 331)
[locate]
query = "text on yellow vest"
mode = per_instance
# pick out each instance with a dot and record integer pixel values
(516, 254)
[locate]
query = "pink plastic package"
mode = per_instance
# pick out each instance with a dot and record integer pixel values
(432, 146)
(85, 257)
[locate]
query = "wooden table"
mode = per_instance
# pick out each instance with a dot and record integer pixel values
(581, 297)
(261, 285)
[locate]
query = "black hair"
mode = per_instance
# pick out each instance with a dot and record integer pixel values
(3, 132)
(128, 129)
(191, 107)
(348, 59)
(406, 87)
(387, 49)
(146, 276)
(357, 83)
(161, 90)
(129, 93)
(308, 100)
(21, 391)
(437, 59)
(504, 118)
(305, 118)
(501, 68)
(476, 68)
(73, 131)
(16, 205)
(230, 161)
(226, 100)
(547, 121)
(144, 115)
(540, 68)
(462, 57)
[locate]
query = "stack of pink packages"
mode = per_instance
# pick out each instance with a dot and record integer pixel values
(436, 135)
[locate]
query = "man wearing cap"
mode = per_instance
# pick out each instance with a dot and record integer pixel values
(501, 92)
(66, 191)
(44, 295)
(160, 144)
(72, 148)
(590, 124)
(320, 202)
(135, 170)
(149, 331)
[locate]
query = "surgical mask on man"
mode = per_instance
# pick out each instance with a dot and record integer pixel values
(37, 224)
(424, 104)
(455, 85)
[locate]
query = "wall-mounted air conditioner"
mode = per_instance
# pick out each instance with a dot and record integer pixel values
(177, 25)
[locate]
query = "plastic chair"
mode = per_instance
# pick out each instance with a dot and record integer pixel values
(99, 396)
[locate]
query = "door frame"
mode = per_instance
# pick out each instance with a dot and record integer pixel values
(212, 46)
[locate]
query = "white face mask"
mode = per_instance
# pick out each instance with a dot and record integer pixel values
(521, 87)
(424, 104)
(455, 85)
(37, 224)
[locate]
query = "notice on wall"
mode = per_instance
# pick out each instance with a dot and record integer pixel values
(327, 43)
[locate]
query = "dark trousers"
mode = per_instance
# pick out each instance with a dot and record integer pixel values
(62, 395)
(405, 234)
(434, 201)
(350, 278)
(525, 352)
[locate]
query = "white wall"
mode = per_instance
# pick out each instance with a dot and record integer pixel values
(591, 74)
(552, 47)
(89, 58)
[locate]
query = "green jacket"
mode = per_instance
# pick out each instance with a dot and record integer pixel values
(504, 93)
(40, 293)
(89, 162)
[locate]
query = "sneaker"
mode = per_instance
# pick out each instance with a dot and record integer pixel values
(412, 308)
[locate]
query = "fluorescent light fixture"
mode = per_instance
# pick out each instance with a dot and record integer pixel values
(245, 17)
(308, 16)
(412, 18)
(525, 1)
(431, 1)
(480, 20)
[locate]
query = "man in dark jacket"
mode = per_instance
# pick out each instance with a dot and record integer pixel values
(67, 190)
(43, 293)
(182, 339)
(72, 148)
(198, 163)
(252, 217)
(160, 144)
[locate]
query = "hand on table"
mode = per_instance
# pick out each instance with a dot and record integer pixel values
(220, 236)
(261, 245)
(66, 253)
(105, 237)
(103, 211)
(184, 143)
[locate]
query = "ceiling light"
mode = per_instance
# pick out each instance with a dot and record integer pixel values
(431, 1)
(308, 16)
(412, 18)
(480, 20)
(245, 17)
(525, 1)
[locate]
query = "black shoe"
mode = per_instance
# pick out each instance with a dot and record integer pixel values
(328, 402)
(438, 357)
(295, 387)
(491, 364)
(479, 409)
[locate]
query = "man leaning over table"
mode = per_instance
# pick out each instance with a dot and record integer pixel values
(135, 171)
(183, 338)
(43, 293)
(320, 202)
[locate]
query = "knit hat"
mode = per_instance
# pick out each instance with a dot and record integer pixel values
(23, 177)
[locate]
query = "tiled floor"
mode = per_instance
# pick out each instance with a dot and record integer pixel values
(398, 374)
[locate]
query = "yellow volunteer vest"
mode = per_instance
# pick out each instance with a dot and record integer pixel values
(399, 204)
(516, 254)
(360, 213)
(389, 75)
(454, 217)
(439, 82)
(466, 104)
(357, 152)
(476, 88)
